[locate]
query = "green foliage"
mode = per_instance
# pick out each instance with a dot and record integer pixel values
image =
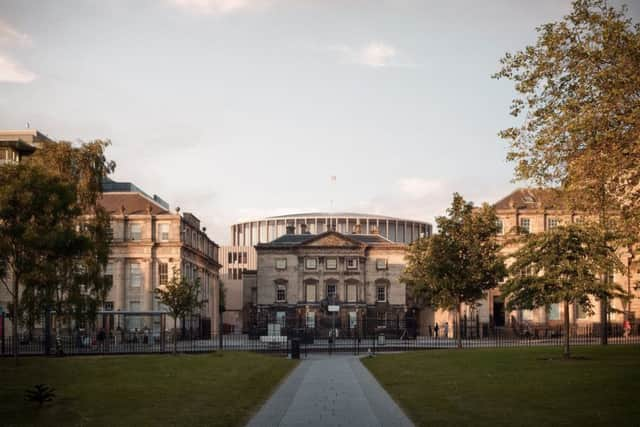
(180, 296)
(73, 280)
(35, 213)
(579, 96)
(40, 394)
(458, 264)
(562, 264)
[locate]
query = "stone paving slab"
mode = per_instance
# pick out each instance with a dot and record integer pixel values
(330, 391)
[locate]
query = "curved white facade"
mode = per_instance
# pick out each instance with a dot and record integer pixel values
(398, 230)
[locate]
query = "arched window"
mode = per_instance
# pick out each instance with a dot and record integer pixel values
(331, 288)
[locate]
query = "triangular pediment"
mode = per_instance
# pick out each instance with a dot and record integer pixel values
(332, 239)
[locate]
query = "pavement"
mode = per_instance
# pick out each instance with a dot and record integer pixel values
(330, 391)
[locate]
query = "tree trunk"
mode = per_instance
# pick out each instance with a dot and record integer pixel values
(458, 326)
(175, 335)
(567, 353)
(14, 320)
(604, 308)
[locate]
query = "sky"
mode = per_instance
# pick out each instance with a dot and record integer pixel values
(239, 109)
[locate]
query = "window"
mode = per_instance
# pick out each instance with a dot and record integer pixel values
(553, 312)
(229, 256)
(353, 320)
(332, 263)
(352, 263)
(311, 319)
(134, 322)
(382, 319)
(381, 264)
(281, 293)
(135, 231)
(352, 292)
(552, 223)
(281, 263)
(310, 263)
(110, 232)
(108, 306)
(108, 275)
(381, 293)
(581, 313)
(525, 225)
(163, 232)
(331, 291)
(281, 318)
(163, 273)
(135, 275)
(311, 292)
(500, 226)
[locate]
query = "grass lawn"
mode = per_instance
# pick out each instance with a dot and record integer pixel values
(515, 387)
(208, 389)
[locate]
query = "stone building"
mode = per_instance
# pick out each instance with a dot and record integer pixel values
(149, 241)
(241, 254)
(535, 211)
(16, 144)
(300, 276)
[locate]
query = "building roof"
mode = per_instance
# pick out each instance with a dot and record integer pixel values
(133, 203)
(337, 215)
(291, 240)
(531, 198)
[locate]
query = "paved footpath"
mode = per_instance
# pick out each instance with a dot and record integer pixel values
(330, 391)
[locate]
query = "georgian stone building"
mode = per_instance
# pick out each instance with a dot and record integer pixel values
(149, 241)
(299, 276)
(539, 210)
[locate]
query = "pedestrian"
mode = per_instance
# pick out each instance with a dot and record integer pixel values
(435, 330)
(627, 328)
(101, 337)
(446, 329)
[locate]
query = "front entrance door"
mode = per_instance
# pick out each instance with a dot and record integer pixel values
(498, 311)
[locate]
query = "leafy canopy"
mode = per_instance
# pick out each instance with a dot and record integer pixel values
(179, 295)
(460, 263)
(561, 265)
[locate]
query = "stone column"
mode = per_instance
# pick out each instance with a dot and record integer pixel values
(121, 285)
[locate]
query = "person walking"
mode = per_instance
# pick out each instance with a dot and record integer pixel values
(435, 330)
(446, 329)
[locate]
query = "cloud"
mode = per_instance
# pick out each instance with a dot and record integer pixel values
(12, 72)
(218, 7)
(374, 54)
(11, 36)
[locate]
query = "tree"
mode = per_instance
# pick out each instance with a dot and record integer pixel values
(34, 207)
(181, 297)
(460, 263)
(579, 96)
(560, 266)
(74, 281)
